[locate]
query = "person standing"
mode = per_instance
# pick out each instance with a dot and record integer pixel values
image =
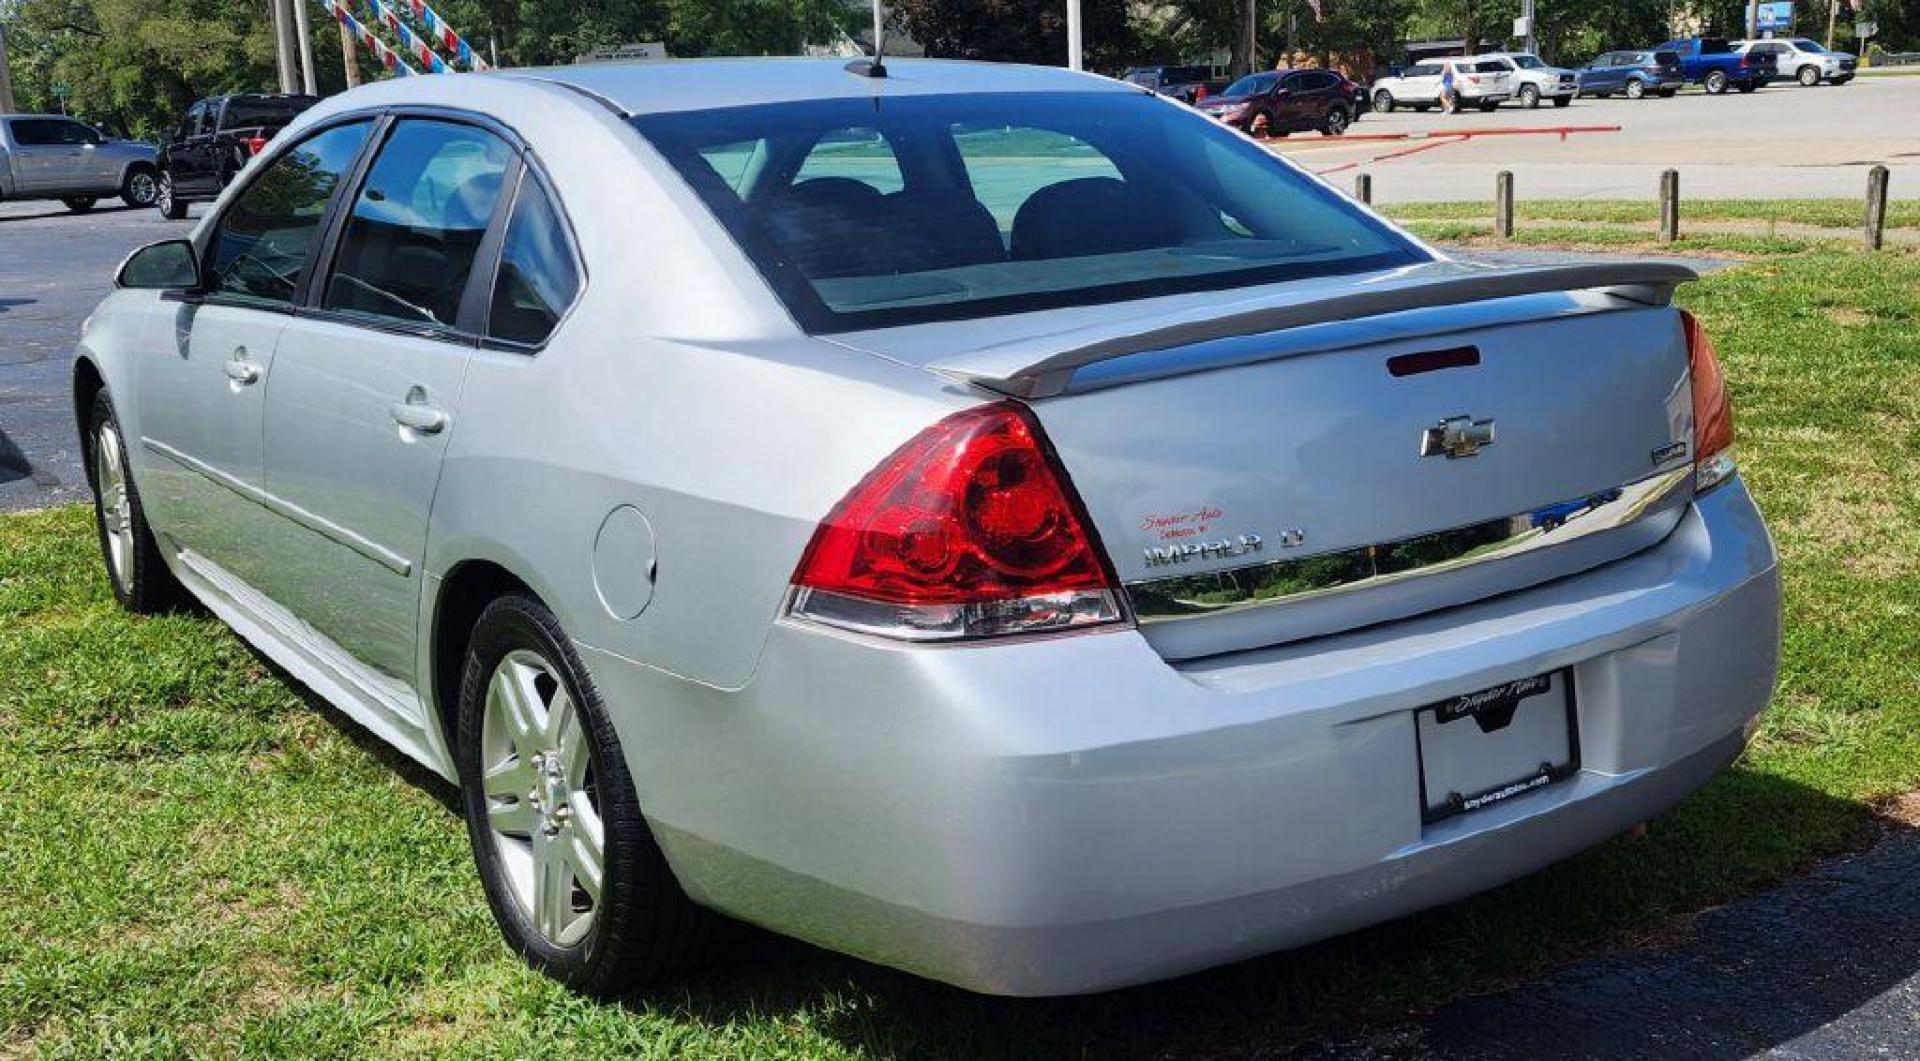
(1449, 92)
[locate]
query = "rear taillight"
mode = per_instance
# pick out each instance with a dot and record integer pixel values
(1712, 409)
(969, 530)
(1199, 93)
(255, 145)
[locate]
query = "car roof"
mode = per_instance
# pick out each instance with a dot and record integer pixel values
(659, 86)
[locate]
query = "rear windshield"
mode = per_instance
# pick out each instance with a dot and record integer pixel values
(268, 113)
(1664, 58)
(872, 212)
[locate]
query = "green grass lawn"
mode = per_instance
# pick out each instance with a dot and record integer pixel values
(195, 858)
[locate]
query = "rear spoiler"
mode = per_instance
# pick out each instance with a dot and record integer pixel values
(1038, 368)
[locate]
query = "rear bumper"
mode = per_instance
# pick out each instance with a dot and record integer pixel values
(1071, 815)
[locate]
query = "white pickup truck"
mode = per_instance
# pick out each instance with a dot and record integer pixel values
(51, 156)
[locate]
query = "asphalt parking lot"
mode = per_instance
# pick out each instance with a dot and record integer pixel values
(1781, 142)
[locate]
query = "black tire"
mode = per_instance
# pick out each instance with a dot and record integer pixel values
(1636, 90)
(1423, 107)
(1746, 87)
(645, 929)
(1808, 76)
(1841, 80)
(1260, 126)
(1716, 82)
(1336, 123)
(1563, 101)
(1529, 96)
(140, 188)
(1488, 106)
(80, 204)
(171, 208)
(1383, 101)
(141, 581)
(1669, 93)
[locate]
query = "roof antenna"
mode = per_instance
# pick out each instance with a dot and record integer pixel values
(876, 66)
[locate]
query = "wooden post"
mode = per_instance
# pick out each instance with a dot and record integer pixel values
(1670, 206)
(1363, 187)
(349, 56)
(1876, 207)
(1503, 205)
(6, 78)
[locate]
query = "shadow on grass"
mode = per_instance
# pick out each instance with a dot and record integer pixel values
(1631, 894)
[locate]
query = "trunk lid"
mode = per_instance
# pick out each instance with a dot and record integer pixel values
(1297, 463)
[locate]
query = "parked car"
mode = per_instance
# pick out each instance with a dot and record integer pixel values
(1480, 81)
(1188, 84)
(1633, 74)
(1537, 81)
(216, 138)
(1804, 60)
(1278, 102)
(51, 156)
(1043, 578)
(1714, 64)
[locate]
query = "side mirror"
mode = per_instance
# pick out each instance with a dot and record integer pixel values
(169, 265)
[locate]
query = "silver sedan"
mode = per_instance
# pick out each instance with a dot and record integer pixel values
(989, 520)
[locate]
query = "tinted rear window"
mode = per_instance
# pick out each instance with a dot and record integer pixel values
(1663, 58)
(1489, 67)
(270, 113)
(1011, 202)
(1714, 46)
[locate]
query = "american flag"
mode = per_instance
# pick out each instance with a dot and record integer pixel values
(1319, 10)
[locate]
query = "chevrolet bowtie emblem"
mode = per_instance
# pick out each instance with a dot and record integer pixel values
(1456, 437)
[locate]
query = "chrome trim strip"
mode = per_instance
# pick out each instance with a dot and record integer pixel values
(326, 528)
(1363, 567)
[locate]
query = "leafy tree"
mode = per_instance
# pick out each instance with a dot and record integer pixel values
(1022, 31)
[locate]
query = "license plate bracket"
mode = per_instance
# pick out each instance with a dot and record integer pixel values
(1489, 746)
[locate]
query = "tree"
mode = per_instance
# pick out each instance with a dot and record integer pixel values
(1482, 23)
(1021, 31)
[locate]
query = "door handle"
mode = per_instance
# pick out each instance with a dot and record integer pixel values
(418, 416)
(245, 373)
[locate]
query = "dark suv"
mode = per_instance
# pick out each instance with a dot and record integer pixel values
(1278, 102)
(217, 137)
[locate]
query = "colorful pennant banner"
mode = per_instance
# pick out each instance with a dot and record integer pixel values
(387, 56)
(430, 61)
(437, 28)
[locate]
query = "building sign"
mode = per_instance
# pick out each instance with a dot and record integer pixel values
(624, 53)
(1775, 18)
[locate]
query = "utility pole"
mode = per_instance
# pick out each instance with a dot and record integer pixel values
(349, 56)
(1753, 19)
(1531, 42)
(1075, 53)
(1833, 16)
(282, 45)
(6, 77)
(1244, 45)
(305, 33)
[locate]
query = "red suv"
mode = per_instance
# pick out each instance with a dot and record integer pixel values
(1278, 102)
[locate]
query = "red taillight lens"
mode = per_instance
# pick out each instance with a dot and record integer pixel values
(968, 530)
(255, 145)
(1712, 409)
(1199, 93)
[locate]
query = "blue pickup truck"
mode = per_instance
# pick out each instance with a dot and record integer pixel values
(1714, 64)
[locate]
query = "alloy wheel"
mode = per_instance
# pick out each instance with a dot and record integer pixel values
(542, 807)
(116, 504)
(1336, 121)
(143, 188)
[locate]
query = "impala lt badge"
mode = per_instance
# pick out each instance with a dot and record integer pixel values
(1456, 437)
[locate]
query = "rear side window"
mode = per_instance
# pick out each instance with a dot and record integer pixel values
(409, 245)
(539, 273)
(1665, 58)
(260, 246)
(1491, 66)
(1714, 46)
(1424, 70)
(32, 132)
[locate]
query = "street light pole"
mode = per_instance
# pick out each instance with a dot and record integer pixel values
(1531, 45)
(282, 51)
(1075, 54)
(305, 33)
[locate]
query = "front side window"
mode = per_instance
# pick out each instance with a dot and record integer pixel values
(66, 132)
(1806, 45)
(1528, 62)
(539, 274)
(409, 245)
(1012, 201)
(259, 249)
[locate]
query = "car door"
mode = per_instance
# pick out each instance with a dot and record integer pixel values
(92, 169)
(366, 387)
(192, 166)
(1608, 73)
(200, 390)
(39, 158)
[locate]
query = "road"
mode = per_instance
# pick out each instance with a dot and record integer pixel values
(1782, 142)
(54, 268)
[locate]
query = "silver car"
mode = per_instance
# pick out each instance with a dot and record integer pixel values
(989, 520)
(51, 156)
